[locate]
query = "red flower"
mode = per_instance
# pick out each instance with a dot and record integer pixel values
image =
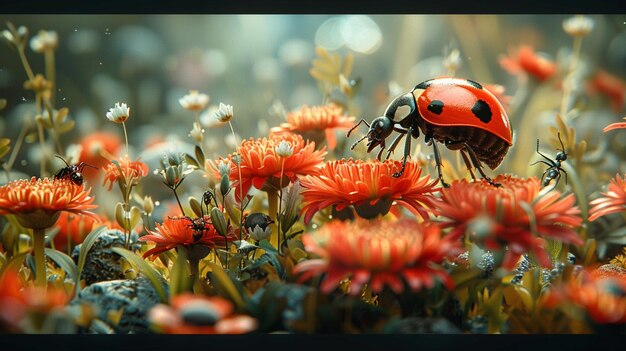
(315, 123)
(261, 166)
(37, 203)
(379, 253)
(72, 226)
(195, 314)
(94, 146)
(612, 201)
(602, 298)
(369, 186)
(177, 231)
(125, 172)
(513, 215)
(610, 86)
(525, 60)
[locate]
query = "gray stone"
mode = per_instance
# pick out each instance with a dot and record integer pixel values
(102, 264)
(133, 297)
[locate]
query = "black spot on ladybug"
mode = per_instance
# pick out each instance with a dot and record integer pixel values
(482, 111)
(436, 107)
(424, 84)
(474, 84)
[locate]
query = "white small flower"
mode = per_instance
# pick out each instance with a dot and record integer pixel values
(578, 26)
(197, 132)
(194, 101)
(224, 168)
(224, 113)
(284, 149)
(258, 234)
(119, 113)
(22, 33)
(452, 61)
(44, 41)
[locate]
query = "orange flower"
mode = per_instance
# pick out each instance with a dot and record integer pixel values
(610, 86)
(37, 203)
(602, 298)
(18, 300)
(612, 201)
(261, 166)
(196, 314)
(177, 231)
(525, 60)
(368, 186)
(315, 123)
(95, 145)
(378, 252)
(125, 172)
(72, 226)
(502, 215)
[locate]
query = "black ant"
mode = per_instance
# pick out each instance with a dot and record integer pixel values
(554, 166)
(198, 224)
(72, 172)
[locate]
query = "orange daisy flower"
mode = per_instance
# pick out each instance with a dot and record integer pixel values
(610, 86)
(613, 201)
(177, 231)
(368, 186)
(379, 253)
(72, 226)
(502, 215)
(196, 314)
(316, 123)
(526, 60)
(37, 203)
(602, 298)
(125, 172)
(261, 165)
(94, 146)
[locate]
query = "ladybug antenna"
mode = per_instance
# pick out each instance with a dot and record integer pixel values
(62, 159)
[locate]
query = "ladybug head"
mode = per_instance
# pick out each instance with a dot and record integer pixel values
(380, 128)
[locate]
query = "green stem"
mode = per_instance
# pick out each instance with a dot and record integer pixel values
(572, 67)
(50, 72)
(182, 211)
(194, 270)
(281, 237)
(125, 138)
(29, 71)
(272, 198)
(39, 236)
(16, 149)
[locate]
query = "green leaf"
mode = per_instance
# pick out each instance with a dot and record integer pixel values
(64, 261)
(14, 263)
(135, 216)
(143, 267)
(191, 161)
(224, 283)
(179, 276)
(199, 155)
(87, 244)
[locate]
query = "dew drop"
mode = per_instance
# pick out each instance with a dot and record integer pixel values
(155, 172)
(157, 203)
(75, 30)
(63, 99)
(24, 99)
(23, 162)
(100, 63)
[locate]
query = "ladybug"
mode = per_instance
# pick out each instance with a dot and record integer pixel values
(458, 113)
(72, 172)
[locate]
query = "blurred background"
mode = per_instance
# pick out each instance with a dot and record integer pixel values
(260, 65)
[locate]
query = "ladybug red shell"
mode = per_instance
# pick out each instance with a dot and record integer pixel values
(462, 102)
(458, 113)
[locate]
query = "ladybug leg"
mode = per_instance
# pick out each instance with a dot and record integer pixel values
(478, 166)
(407, 149)
(396, 141)
(429, 139)
(468, 164)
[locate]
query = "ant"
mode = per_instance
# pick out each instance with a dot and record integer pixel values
(72, 172)
(198, 224)
(554, 166)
